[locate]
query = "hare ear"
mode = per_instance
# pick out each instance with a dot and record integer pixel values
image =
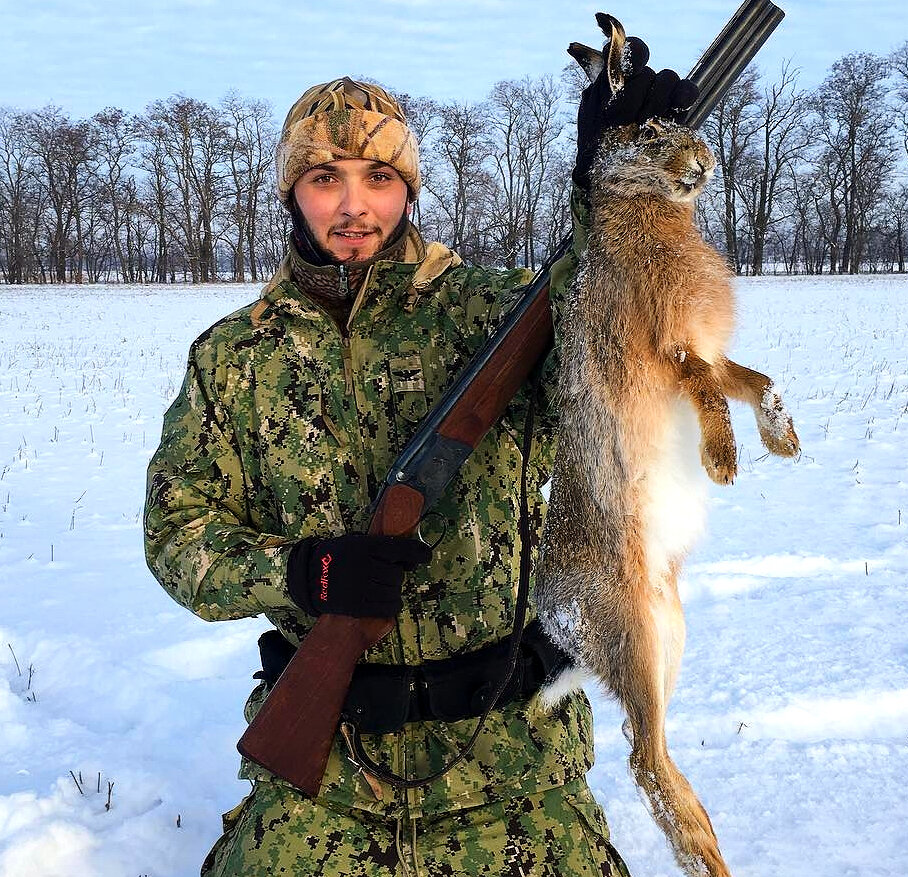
(591, 60)
(613, 30)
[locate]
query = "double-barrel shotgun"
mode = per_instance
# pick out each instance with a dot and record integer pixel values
(294, 730)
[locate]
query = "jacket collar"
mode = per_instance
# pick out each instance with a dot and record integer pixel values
(282, 292)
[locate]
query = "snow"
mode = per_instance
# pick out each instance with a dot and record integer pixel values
(791, 713)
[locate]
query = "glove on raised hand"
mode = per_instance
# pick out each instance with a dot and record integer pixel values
(646, 95)
(355, 574)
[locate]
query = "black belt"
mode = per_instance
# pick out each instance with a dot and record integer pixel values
(383, 697)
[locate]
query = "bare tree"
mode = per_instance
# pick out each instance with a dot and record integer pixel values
(462, 185)
(250, 139)
(730, 130)
(116, 137)
(273, 228)
(16, 193)
(81, 164)
(544, 121)
(895, 213)
(553, 220)
(192, 136)
(780, 139)
(508, 144)
(159, 197)
(899, 66)
(855, 129)
(897, 203)
(64, 152)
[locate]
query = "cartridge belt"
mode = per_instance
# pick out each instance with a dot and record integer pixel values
(384, 697)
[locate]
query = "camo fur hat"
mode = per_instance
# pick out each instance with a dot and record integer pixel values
(345, 119)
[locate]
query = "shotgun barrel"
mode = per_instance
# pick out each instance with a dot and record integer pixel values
(723, 62)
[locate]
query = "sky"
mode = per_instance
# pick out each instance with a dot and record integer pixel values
(83, 55)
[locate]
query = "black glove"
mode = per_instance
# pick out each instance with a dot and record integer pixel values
(356, 574)
(646, 95)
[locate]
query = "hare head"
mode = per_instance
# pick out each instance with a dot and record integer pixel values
(657, 158)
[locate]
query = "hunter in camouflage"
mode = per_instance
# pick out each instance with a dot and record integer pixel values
(290, 415)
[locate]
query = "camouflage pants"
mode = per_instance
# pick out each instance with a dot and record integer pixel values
(558, 833)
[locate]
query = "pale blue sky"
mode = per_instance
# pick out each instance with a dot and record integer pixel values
(84, 55)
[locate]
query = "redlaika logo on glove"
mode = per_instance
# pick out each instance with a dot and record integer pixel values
(326, 561)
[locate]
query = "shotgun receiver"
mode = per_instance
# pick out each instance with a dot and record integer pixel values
(294, 730)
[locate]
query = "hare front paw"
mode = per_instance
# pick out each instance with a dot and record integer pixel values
(776, 427)
(720, 460)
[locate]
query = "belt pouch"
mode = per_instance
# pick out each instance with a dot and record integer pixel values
(378, 701)
(458, 688)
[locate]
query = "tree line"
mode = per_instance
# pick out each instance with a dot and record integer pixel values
(808, 180)
(813, 180)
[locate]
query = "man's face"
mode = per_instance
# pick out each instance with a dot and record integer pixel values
(352, 206)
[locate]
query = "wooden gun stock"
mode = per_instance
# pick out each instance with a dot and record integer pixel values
(293, 732)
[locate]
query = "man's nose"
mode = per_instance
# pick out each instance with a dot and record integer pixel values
(353, 203)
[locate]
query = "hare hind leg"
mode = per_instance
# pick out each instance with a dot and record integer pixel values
(642, 680)
(673, 630)
(756, 389)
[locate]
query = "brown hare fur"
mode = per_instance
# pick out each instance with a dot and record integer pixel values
(644, 381)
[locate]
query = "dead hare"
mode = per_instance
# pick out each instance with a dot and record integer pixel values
(643, 385)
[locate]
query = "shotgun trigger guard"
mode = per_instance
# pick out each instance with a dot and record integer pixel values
(433, 466)
(444, 529)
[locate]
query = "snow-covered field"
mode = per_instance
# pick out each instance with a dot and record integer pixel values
(791, 715)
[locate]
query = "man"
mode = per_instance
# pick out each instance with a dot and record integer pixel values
(291, 413)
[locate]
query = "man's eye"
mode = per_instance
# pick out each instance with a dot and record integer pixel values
(380, 177)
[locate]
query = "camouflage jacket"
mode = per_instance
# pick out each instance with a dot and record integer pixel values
(285, 427)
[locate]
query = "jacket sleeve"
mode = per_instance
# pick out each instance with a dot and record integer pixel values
(199, 539)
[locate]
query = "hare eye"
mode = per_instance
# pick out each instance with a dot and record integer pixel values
(647, 132)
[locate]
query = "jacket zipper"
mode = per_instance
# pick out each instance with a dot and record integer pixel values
(344, 280)
(344, 287)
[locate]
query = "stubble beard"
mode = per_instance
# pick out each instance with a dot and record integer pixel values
(357, 254)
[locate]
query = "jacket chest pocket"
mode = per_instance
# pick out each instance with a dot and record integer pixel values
(408, 388)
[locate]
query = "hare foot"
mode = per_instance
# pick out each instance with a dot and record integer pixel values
(775, 425)
(720, 461)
